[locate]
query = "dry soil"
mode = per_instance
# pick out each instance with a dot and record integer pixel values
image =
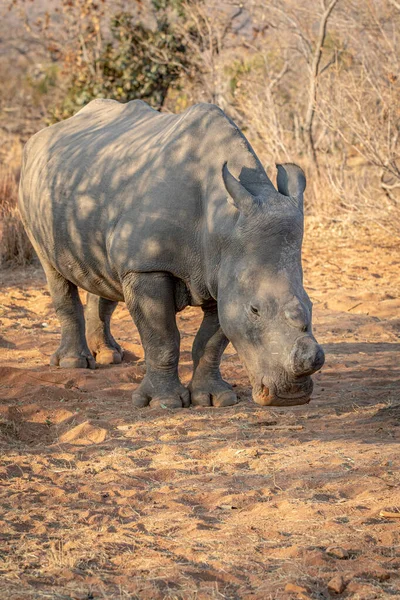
(99, 500)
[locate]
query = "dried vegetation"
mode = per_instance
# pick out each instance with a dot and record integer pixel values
(312, 83)
(15, 247)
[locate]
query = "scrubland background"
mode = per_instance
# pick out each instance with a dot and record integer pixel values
(315, 82)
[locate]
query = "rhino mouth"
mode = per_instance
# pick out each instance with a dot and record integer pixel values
(294, 394)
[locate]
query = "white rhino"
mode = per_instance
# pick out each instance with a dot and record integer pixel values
(163, 211)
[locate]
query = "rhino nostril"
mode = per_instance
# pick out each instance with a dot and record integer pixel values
(319, 359)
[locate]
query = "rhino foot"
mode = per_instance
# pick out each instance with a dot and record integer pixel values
(108, 355)
(212, 392)
(101, 342)
(104, 348)
(161, 394)
(65, 360)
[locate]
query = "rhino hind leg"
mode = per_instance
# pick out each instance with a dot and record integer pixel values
(98, 313)
(207, 387)
(150, 298)
(73, 351)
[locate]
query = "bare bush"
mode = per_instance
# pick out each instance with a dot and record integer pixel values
(315, 83)
(15, 247)
(326, 94)
(360, 103)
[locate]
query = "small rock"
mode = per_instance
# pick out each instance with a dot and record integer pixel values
(338, 552)
(293, 588)
(337, 584)
(315, 558)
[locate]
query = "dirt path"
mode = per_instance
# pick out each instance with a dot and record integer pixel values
(101, 501)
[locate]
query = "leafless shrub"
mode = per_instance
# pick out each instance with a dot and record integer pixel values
(326, 94)
(15, 247)
(314, 83)
(360, 101)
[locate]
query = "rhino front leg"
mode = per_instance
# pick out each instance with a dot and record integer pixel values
(98, 313)
(73, 351)
(151, 301)
(207, 386)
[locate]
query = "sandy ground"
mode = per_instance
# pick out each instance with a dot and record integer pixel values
(102, 501)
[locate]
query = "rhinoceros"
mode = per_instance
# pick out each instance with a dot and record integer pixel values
(164, 211)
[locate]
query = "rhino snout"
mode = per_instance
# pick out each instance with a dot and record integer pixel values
(291, 394)
(306, 357)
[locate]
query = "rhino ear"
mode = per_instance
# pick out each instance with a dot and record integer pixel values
(239, 197)
(291, 181)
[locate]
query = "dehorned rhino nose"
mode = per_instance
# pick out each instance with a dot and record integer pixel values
(296, 314)
(306, 356)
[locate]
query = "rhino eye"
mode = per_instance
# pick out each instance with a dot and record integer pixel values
(254, 310)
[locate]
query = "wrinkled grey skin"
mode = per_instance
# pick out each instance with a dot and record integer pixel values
(164, 211)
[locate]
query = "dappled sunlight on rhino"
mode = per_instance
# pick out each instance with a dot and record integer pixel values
(164, 211)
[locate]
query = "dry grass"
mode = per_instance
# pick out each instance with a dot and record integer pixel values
(15, 247)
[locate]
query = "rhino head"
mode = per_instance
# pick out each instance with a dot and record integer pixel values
(263, 307)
